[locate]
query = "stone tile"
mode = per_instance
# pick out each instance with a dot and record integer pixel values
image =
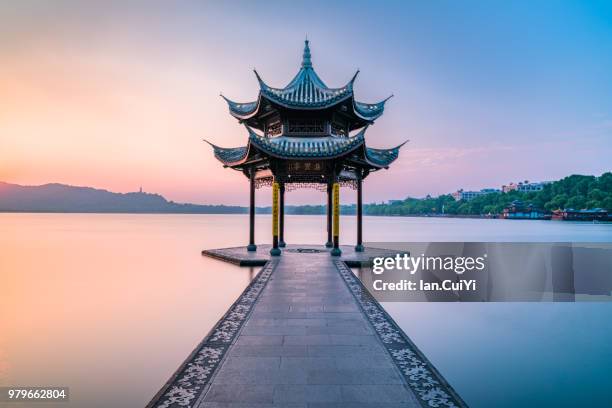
(259, 340)
(349, 323)
(352, 329)
(362, 405)
(354, 376)
(306, 308)
(240, 393)
(250, 363)
(376, 393)
(249, 405)
(272, 330)
(345, 351)
(278, 315)
(352, 307)
(353, 340)
(269, 351)
(272, 308)
(308, 340)
(333, 316)
(261, 376)
(363, 362)
(307, 393)
(307, 322)
(264, 321)
(308, 363)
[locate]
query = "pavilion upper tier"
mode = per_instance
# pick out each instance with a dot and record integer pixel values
(305, 93)
(310, 122)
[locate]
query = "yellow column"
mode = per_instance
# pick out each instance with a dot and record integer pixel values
(275, 251)
(336, 221)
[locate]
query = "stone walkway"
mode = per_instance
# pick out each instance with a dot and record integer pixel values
(306, 333)
(307, 344)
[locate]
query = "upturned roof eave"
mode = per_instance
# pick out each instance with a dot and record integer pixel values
(329, 157)
(245, 116)
(295, 107)
(374, 117)
(302, 106)
(254, 139)
(230, 163)
(277, 101)
(395, 151)
(366, 118)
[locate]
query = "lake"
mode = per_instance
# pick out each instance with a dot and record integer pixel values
(111, 304)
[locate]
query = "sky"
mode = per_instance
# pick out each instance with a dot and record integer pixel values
(119, 95)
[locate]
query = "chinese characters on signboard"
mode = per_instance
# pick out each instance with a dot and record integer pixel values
(305, 167)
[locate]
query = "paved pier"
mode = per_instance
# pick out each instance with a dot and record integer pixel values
(306, 336)
(240, 256)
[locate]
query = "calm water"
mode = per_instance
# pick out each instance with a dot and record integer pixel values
(110, 305)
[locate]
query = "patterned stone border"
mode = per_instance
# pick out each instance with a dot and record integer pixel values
(428, 384)
(189, 382)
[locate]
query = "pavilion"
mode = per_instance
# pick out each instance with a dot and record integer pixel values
(306, 135)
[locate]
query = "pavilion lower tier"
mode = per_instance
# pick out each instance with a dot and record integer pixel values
(332, 188)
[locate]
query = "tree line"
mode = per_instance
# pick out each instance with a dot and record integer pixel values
(576, 191)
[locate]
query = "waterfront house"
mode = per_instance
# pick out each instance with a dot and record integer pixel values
(570, 214)
(518, 210)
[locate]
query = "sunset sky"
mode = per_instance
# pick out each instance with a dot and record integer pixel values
(119, 96)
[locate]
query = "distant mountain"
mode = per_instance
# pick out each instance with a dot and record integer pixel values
(63, 198)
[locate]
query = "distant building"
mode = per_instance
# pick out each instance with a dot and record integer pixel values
(470, 195)
(518, 210)
(506, 188)
(524, 186)
(570, 214)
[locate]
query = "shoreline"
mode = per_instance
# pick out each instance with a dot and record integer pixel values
(460, 216)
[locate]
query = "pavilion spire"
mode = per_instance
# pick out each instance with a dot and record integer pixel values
(306, 62)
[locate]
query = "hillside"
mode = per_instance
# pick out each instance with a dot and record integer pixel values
(574, 191)
(64, 198)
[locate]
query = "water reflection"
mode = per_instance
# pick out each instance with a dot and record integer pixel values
(110, 305)
(508, 355)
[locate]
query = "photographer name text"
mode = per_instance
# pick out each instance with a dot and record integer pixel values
(409, 264)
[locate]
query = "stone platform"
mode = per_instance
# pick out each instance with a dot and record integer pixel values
(240, 256)
(306, 333)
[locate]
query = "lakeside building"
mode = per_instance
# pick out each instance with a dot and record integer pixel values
(470, 195)
(311, 136)
(524, 186)
(517, 210)
(570, 214)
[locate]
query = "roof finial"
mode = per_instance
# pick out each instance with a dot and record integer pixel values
(306, 63)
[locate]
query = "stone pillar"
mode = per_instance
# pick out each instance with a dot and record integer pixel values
(281, 221)
(329, 242)
(275, 251)
(336, 221)
(252, 247)
(359, 246)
